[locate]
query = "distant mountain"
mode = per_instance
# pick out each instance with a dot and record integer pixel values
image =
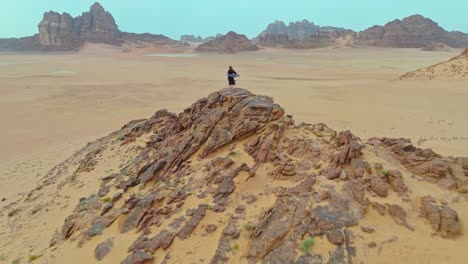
(21, 44)
(300, 34)
(229, 43)
(411, 32)
(62, 32)
(300, 30)
(193, 39)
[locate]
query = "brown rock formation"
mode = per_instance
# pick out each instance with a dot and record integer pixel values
(442, 218)
(57, 30)
(229, 43)
(411, 32)
(65, 32)
(97, 25)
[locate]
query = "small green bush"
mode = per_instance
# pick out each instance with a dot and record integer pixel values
(384, 172)
(107, 199)
(235, 247)
(307, 244)
(32, 258)
(233, 154)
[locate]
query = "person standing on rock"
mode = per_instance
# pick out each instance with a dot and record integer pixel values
(232, 74)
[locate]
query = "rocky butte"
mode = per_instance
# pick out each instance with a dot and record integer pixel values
(229, 43)
(233, 179)
(62, 32)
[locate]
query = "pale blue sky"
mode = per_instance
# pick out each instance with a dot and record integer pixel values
(208, 17)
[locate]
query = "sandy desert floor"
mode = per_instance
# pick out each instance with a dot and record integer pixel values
(52, 105)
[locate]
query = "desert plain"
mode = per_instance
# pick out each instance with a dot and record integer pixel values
(53, 104)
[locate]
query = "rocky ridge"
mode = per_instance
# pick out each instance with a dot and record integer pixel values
(233, 179)
(411, 32)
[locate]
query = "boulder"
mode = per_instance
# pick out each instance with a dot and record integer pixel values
(210, 228)
(274, 225)
(379, 185)
(103, 249)
(335, 236)
(191, 224)
(138, 257)
(442, 218)
(395, 179)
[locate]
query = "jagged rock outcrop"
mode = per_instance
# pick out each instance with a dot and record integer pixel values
(235, 170)
(453, 69)
(411, 32)
(442, 218)
(57, 30)
(97, 25)
(229, 43)
(62, 32)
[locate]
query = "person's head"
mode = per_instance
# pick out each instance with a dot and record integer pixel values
(230, 68)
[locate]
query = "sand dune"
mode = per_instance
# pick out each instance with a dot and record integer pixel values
(453, 69)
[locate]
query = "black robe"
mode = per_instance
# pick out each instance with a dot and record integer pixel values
(231, 80)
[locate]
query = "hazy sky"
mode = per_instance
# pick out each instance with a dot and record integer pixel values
(250, 17)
